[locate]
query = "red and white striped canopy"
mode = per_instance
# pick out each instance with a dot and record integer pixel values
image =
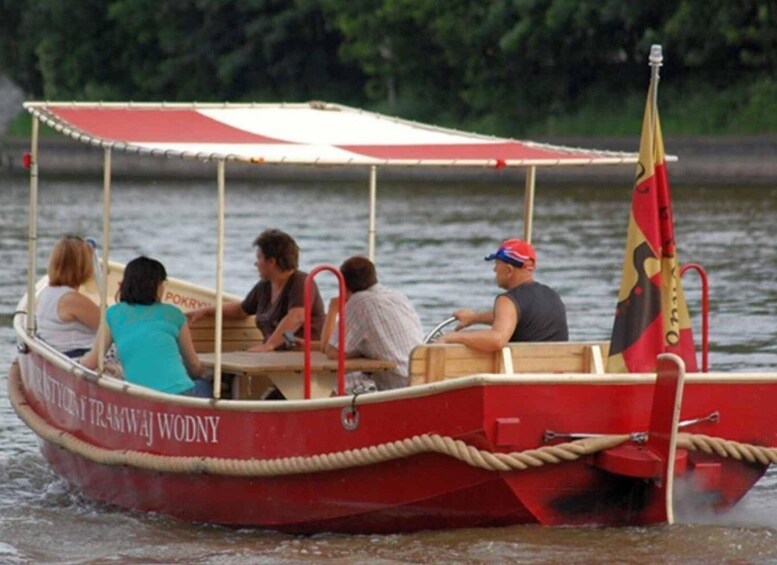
(315, 133)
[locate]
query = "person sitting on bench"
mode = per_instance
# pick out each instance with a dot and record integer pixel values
(380, 324)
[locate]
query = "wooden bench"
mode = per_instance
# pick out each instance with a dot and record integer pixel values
(284, 370)
(236, 334)
(441, 361)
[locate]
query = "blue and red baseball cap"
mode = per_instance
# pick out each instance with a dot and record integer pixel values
(516, 252)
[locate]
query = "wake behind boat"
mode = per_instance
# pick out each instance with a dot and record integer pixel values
(534, 433)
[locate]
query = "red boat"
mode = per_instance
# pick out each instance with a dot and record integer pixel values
(535, 433)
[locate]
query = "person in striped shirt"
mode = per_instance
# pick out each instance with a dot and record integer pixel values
(380, 324)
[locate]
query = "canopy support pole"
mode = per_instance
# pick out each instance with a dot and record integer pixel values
(373, 205)
(528, 202)
(32, 234)
(105, 254)
(219, 280)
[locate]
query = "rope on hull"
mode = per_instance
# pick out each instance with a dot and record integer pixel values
(426, 443)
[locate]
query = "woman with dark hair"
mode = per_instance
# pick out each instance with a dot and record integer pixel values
(153, 339)
(278, 299)
(67, 320)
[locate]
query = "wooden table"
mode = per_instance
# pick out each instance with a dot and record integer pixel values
(285, 370)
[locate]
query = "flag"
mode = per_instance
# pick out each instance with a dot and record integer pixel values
(651, 316)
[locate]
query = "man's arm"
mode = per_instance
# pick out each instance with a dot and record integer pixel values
(295, 316)
(291, 322)
(357, 322)
(332, 352)
(505, 319)
(229, 310)
(468, 317)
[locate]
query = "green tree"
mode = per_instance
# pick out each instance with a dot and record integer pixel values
(504, 59)
(503, 66)
(418, 56)
(718, 39)
(227, 50)
(66, 50)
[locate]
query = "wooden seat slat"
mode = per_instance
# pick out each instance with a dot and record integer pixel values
(206, 346)
(227, 334)
(434, 362)
(236, 334)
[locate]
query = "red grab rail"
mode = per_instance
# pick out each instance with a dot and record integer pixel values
(340, 327)
(705, 312)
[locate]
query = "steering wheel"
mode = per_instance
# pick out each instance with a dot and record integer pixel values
(437, 331)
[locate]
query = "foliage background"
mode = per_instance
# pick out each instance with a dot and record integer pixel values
(510, 67)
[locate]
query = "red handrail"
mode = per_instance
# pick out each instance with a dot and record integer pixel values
(340, 327)
(705, 312)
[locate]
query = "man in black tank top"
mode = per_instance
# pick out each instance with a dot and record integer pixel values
(527, 311)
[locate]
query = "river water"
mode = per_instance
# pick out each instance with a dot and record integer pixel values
(431, 241)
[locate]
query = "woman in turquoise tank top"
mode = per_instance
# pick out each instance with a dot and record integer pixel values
(152, 339)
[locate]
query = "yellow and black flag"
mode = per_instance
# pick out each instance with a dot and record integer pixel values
(651, 316)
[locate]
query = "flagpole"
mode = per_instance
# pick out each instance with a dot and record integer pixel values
(651, 316)
(656, 61)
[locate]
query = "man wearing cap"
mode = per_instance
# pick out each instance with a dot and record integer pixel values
(527, 311)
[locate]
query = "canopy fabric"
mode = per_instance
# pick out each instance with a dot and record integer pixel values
(314, 133)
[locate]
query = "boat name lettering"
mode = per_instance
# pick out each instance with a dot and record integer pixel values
(188, 429)
(55, 393)
(184, 301)
(122, 419)
(138, 422)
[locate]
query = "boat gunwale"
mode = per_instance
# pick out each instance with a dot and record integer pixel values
(478, 380)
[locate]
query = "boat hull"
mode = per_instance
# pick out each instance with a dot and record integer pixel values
(422, 490)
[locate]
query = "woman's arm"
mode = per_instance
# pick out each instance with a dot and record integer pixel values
(75, 306)
(186, 346)
(90, 359)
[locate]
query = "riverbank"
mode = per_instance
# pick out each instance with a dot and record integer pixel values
(724, 160)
